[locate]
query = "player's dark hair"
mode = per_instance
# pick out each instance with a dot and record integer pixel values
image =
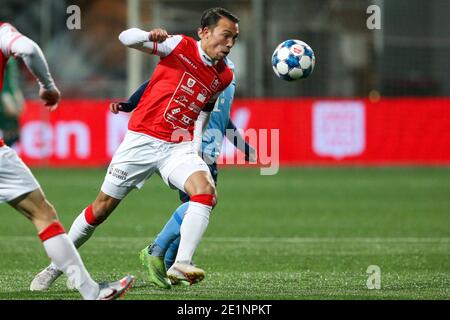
(211, 17)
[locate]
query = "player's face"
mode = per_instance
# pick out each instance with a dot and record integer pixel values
(217, 42)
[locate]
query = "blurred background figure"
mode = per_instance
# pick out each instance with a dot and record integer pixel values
(11, 104)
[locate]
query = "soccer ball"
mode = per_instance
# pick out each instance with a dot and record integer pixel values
(293, 60)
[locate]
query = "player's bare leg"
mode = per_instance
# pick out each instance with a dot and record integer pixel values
(202, 192)
(61, 250)
(81, 230)
(36, 208)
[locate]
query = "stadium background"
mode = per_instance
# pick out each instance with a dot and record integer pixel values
(364, 147)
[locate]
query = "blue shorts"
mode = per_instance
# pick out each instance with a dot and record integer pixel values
(214, 172)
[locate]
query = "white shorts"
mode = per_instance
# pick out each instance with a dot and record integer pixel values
(140, 155)
(15, 177)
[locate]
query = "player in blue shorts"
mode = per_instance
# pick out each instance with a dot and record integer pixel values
(160, 255)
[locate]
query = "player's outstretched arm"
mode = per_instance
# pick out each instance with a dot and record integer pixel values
(34, 59)
(156, 41)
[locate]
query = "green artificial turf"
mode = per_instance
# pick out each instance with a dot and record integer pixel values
(305, 233)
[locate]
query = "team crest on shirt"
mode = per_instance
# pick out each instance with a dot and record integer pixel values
(191, 82)
(215, 84)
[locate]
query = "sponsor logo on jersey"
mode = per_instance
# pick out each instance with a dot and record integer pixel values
(176, 110)
(187, 60)
(215, 84)
(185, 119)
(193, 107)
(117, 173)
(170, 117)
(201, 98)
(187, 89)
(202, 95)
(182, 98)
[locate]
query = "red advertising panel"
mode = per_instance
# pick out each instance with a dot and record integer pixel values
(78, 133)
(338, 131)
(296, 131)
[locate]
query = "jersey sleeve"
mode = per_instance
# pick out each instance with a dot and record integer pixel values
(8, 35)
(209, 106)
(138, 39)
(134, 99)
(12, 42)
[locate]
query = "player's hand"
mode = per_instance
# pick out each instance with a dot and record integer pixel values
(115, 107)
(252, 156)
(158, 35)
(51, 97)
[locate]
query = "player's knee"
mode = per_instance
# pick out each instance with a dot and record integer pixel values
(205, 188)
(210, 189)
(216, 199)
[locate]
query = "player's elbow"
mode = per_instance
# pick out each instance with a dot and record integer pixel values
(123, 38)
(126, 37)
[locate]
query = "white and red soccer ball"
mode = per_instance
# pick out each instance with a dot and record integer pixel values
(293, 60)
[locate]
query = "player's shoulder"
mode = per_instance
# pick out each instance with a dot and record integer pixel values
(180, 41)
(7, 27)
(8, 33)
(187, 39)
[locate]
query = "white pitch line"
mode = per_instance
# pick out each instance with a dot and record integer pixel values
(267, 239)
(326, 239)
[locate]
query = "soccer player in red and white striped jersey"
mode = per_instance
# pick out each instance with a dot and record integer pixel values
(19, 188)
(173, 111)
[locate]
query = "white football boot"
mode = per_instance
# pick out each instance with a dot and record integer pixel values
(44, 279)
(181, 271)
(114, 290)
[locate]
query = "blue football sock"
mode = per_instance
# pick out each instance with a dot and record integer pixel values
(171, 253)
(169, 233)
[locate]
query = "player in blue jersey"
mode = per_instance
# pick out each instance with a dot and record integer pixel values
(160, 255)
